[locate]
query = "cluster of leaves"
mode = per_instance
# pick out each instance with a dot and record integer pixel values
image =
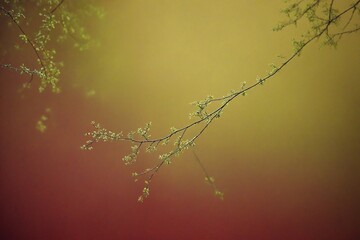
(324, 20)
(321, 15)
(141, 138)
(50, 16)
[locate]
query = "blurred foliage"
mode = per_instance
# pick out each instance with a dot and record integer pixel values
(40, 23)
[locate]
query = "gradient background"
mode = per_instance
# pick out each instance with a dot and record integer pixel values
(286, 156)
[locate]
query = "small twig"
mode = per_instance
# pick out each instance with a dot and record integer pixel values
(208, 178)
(346, 32)
(57, 6)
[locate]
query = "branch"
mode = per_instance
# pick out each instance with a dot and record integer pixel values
(27, 39)
(143, 138)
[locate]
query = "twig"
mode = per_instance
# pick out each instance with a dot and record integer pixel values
(57, 6)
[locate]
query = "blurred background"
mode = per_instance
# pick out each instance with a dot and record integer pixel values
(286, 156)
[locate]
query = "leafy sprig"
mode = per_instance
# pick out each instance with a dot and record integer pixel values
(52, 14)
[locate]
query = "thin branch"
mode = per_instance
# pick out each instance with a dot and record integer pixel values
(27, 38)
(208, 178)
(57, 6)
(350, 18)
(346, 32)
(201, 165)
